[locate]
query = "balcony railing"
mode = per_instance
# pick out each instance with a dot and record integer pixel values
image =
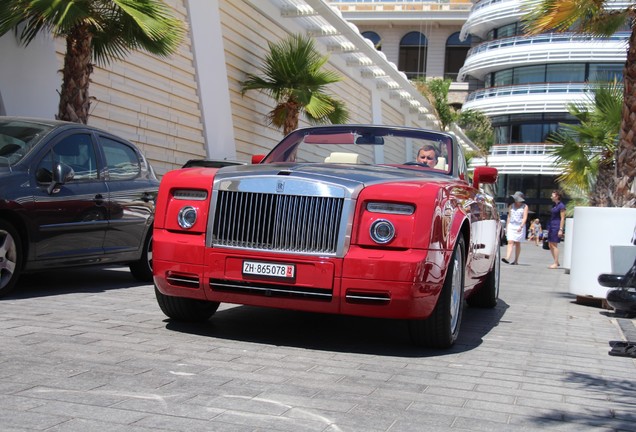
(528, 89)
(544, 39)
(528, 158)
(401, 5)
(522, 149)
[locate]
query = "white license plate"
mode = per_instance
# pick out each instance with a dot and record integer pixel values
(255, 268)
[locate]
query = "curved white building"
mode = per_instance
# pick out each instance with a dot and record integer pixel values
(524, 83)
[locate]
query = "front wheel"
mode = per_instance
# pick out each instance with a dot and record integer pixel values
(10, 257)
(185, 309)
(441, 329)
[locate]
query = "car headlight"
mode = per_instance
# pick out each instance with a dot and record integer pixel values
(382, 231)
(187, 217)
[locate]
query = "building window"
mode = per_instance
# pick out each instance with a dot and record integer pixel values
(527, 128)
(456, 51)
(508, 30)
(373, 37)
(559, 73)
(606, 72)
(555, 73)
(412, 57)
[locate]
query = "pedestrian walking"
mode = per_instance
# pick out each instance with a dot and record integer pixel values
(516, 227)
(555, 227)
(535, 231)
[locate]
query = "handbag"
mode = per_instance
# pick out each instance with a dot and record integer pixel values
(546, 246)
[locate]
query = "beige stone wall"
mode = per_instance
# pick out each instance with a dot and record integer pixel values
(151, 101)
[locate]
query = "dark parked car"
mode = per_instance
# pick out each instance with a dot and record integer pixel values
(210, 163)
(72, 195)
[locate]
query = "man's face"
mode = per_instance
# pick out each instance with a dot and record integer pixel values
(427, 157)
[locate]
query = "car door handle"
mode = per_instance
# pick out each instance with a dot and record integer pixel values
(99, 199)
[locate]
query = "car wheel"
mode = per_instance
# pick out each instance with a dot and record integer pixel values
(487, 295)
(185, 309)
(142, 268)
(441, 329)
(10, 257)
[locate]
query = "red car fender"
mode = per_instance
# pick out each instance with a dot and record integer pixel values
(191, 178)
(455, 223)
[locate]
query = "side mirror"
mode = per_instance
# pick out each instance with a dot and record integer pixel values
(256, 159)
(62, 173)
(484, 174)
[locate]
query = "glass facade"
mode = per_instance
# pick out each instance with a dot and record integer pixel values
(555, 73)
(527, 128)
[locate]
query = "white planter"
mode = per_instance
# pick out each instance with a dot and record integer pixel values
(597, 228)
(567, 243)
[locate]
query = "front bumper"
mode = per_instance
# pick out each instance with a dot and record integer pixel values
(366, 282)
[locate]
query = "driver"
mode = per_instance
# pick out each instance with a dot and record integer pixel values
(427, 155)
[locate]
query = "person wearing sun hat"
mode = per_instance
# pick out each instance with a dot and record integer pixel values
(516, 226)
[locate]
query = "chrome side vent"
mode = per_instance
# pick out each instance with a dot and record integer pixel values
(370, 298)
(276, 222)
(186, 281)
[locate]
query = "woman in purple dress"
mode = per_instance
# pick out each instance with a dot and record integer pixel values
(555, 227)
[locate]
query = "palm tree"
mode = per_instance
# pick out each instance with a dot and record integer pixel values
(586, 151)
(292, 76)
(600, 18)
(478, 129)
(435, 90)
(95, 30)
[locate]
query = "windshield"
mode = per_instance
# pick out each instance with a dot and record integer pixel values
(17, 137)
(367, 145)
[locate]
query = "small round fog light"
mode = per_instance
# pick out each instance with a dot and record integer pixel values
(382, 231)
(187, 217)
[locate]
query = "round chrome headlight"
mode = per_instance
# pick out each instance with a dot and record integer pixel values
(382, 231)
(187, 217)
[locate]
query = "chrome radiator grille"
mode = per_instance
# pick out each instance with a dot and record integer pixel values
(289, 223)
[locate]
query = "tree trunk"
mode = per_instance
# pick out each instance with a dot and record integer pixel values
(602, 194)
(74, 100)
(291, 122)
(626, 152)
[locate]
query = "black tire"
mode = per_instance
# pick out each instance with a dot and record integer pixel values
(185, 309)
(11, 258)
(441, 329)
(486, 296)
(142, 268)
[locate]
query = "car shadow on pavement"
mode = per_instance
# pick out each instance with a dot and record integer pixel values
(86, 280)
(335, 333)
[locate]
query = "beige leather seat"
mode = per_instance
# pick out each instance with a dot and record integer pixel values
(441, 163)
(342, 157)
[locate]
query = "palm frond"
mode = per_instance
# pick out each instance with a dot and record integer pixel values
(581, 16)
(293, 74)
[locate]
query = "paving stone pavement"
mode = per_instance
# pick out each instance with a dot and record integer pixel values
(89, 350)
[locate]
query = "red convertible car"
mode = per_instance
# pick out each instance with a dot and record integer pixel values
(374, 221)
